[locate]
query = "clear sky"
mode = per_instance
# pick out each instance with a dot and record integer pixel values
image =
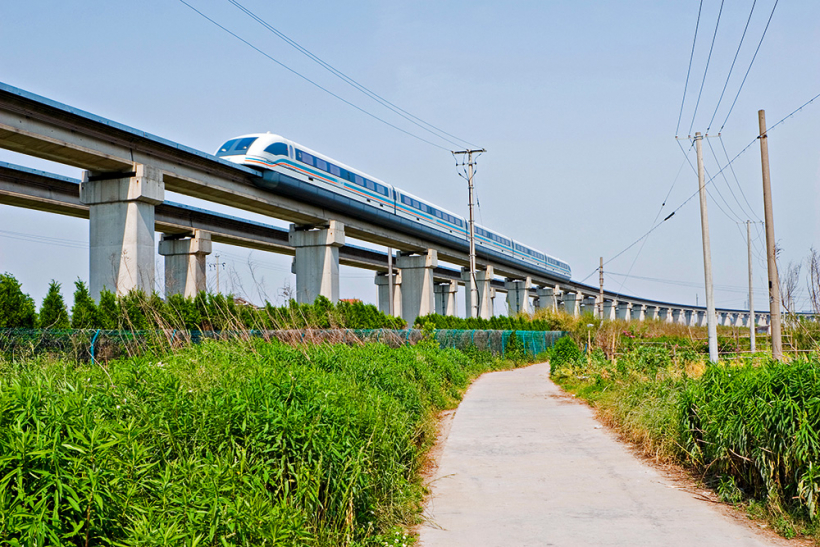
(576, 102)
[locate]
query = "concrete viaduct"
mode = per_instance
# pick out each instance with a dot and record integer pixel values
(127, 171)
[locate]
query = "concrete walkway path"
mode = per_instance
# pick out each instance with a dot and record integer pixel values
(522, 465)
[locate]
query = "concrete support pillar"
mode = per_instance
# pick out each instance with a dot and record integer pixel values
(383, 282)
(572, 303)
(547, 298)
(446, 297)
(694, 321)
(185, 271)
(518, 295)
(665, 315)
(417, 296)
(492, 301)
(589, 305)
(624, 311)
(729, 321)
(652, 313)
(316, 264)
(610, 310)
(638, 312)
(740, 320)
(484, 277)
(679, 317)
(121, 228)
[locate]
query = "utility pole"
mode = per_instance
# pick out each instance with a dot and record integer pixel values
(216, 256)
(601, 284)
(473, 284)
(751, 293)
(707, 253)
(774, 281)
(390, 304)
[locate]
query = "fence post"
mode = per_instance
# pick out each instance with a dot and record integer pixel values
(93, 341)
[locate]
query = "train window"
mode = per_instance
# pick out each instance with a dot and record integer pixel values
(321, 164)
(227, 147)
(244, 144)
(370, 184)
(358, 180)
(382, 190)
(304, 157)
(416, 204)
(277, 149)
(406, 200)
(335, 170)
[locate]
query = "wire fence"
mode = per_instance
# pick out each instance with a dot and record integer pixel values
(103, 345)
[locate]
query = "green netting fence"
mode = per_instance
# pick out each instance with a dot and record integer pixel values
(103, 345)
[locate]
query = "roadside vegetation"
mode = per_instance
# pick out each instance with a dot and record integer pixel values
(749, 427)
(241, 442)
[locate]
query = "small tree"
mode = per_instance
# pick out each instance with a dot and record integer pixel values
(84, 311)
(16, 308)
(53, 312)
(108, 312)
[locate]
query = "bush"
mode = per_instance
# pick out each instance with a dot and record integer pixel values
(16, 308)
(84, 310)
(565, 353)
(53, 313)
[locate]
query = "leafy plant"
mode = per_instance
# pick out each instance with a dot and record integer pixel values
(16, 308)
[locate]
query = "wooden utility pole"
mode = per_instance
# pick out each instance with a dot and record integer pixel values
(711, 320)
(601, 284)
(774, 281)
(473, 284)
(751, 292)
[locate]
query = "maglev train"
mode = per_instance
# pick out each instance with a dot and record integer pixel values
(332, 184)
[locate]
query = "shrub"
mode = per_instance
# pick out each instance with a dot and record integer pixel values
(84, 310)
(565, 352)
(16, 308)
(53, 313)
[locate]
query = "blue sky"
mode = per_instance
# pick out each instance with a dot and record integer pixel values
(576, 103)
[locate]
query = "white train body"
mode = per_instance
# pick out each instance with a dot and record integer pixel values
(266, 151)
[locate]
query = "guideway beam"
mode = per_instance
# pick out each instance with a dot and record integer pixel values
(121, 228)
(185, 271)
(316, 263)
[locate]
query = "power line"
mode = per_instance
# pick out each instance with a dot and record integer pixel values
(339, 74)
(739, 187)
(362, 110)
(725, 179)
(750, 66)
(731, 68)
(48, 240)
(706, 70)
(689, 70)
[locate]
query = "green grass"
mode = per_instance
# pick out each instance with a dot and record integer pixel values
(751, 431)
(223, 443)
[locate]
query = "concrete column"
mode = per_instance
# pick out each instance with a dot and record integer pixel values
(492, 301)
(588, 305)
(610, 310)
(624, 311)
(652, 313)
(484, 277)
(547, 298)
(695, 319)
(446, 297)
(638, 312)
(121, 228)
(740, 320)
(518, 295)
(666, 315)
(185, 269)
(316, 264)
(730, 317)
(572, 303)
(383, 283)
(678, 316)
(417, 296)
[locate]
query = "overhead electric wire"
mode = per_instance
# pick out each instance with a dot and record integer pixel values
(750, 65)
(286, 67)
(731, 68)
(706, 70)
(739, 187)
(734, 196)
(689, 70)
(339, 74)
(48, 240)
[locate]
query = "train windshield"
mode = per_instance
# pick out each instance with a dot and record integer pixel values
(235, 147)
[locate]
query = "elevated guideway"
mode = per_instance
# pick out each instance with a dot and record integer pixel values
(39, 190)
